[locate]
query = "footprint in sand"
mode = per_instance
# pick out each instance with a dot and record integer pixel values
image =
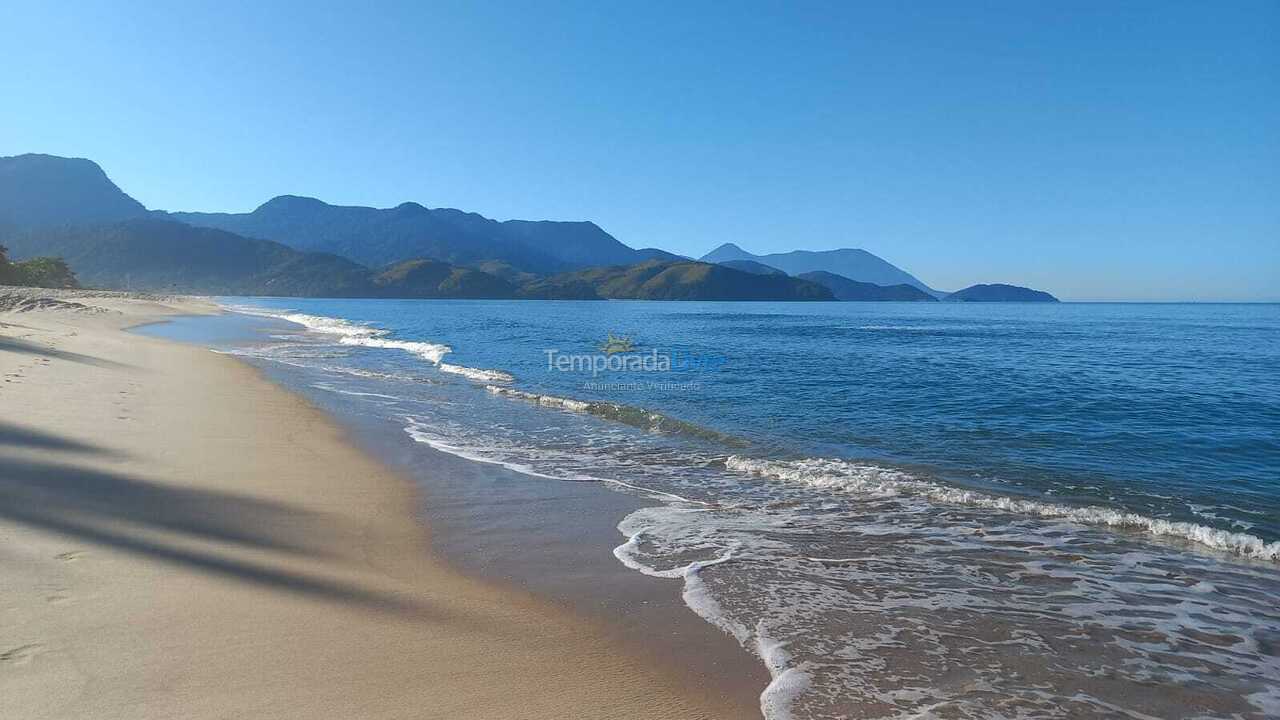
(21, 655)
(69, 556)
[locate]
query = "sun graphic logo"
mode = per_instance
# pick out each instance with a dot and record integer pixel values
(615, 345)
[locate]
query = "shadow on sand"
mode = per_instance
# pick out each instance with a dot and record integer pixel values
(180, 526)
(24, 347)
(23, 437)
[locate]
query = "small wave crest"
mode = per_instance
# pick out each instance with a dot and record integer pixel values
(350, 333)
(636, 417)
(316, 323)
(431, 352)
(876, 481)
(422, 433)
(477, 374)
(362, 335)
(550, 401)
(787, 681)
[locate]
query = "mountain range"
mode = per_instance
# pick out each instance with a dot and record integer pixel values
(682, 280)
(377, 237)
(851, 263)
(45, 190)
(845, 289)
(295, 246)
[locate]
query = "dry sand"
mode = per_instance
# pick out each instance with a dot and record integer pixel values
(179, 538)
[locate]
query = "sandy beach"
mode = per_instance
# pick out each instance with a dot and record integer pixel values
(181, 538)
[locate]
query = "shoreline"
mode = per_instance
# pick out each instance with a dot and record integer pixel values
(553, 540)
(155, 574)
(550, 540)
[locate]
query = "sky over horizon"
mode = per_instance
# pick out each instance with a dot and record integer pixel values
(1097, 150)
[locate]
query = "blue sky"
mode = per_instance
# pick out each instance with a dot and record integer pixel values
(1114, 150)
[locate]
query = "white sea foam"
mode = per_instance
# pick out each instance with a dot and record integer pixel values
(883, 482)
(421, 433)
(431, 352)
(330, 325)
(350, 333)
(503, 457)
(696, 594)
(316, 323)
(550, 401)
(362, 335)
(788, 683)
(477, 374)
(329, 387)
(1206, 512)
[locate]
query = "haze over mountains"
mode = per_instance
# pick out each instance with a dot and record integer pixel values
(376, 237)
(854, 264)
(845, 289)
(44, 190)
(296, 246)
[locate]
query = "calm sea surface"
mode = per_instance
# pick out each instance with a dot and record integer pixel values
(905, 510)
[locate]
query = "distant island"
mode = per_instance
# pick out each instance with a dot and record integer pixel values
(67, 210)
(999, 293)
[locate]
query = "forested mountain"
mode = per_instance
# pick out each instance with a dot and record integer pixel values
(44, 190)
(998, 292)
(377, 237)
(845, 289)
(681, 280)
(851, 263)
(66, 207)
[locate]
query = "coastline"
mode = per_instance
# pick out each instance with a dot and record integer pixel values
(554, 540)
(186, 538)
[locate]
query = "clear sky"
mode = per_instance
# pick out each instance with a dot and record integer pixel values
(1126, 150)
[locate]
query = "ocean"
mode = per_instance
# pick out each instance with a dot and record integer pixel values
(904, 510)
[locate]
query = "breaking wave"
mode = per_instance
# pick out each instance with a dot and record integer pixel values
(870, 480)
(636, 417)
(550, 401)
(477, 374)
(363, 335)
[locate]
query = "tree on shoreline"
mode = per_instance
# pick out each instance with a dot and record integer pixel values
(49, 272)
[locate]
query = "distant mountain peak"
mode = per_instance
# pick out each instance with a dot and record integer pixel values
(43, 159)
(377, 237)
(751, 266)
(38, 190)
(852, 263)
(726, 252)
(291, 203)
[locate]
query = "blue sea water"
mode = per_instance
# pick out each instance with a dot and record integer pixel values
(914, 510)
